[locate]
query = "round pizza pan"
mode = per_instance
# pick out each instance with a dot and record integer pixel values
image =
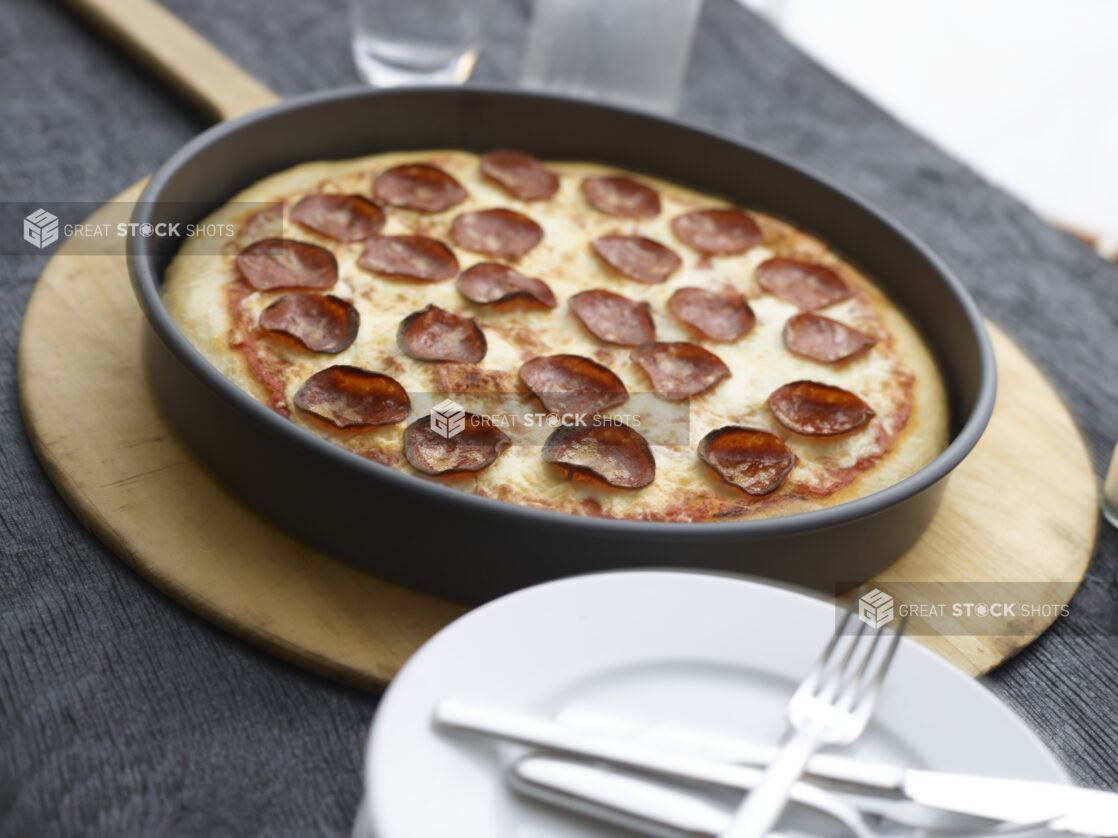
(467, 548)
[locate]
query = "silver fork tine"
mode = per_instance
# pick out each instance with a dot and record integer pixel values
(811, 682)
(831, 686)
(858, 690)
(847, 694)
(871, 695)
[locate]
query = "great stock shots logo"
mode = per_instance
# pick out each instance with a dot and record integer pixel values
(107, 229)
(40, 228)
(875, 609)
(448, 419)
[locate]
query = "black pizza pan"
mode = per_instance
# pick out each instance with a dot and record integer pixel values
(444, 541)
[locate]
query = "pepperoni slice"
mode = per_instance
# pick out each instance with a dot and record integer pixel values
(612, 318)
(805, 284)
(753, 460)
(823, 339)
(437, 335)
(637, 257)
(571, 384)
(717, 232)
(419, 186)
(610, 451)
(621, 196)
(487, 282)
(272, 264)
(808, 407)
(321, 322)
(344, 218)
(350, 397)
(520, 174)
(500, 233)
(447, 450)
(680, 370)
(724, 316)
(409, 257)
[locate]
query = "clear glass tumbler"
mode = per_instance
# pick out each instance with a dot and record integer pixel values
(1110, 491)
(400, 42)
(631, 52)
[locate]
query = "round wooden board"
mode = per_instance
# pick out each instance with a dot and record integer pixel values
(1018, 509)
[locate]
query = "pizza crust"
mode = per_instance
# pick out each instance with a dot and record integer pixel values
(196, 294)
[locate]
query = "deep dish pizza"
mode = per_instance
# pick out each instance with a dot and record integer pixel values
(565, 336)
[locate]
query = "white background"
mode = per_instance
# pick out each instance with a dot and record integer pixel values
(1026, 91)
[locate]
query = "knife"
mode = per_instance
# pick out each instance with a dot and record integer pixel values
(1065, 808)
(709, 759)
(536, 732)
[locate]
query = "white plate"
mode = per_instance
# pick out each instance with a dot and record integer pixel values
(705, 651)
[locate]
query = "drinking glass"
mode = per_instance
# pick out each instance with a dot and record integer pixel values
(631, 52)
(1110, 491)
(399, 42)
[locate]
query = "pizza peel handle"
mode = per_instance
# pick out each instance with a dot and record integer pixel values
(177, 55)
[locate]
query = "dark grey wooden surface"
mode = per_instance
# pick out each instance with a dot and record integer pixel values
(123, 714)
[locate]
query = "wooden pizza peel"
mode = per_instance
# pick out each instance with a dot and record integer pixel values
(1015, 511)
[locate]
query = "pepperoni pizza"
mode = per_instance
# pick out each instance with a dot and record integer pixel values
(410, 306)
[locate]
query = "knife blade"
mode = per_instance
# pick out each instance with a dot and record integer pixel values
(1072, 809)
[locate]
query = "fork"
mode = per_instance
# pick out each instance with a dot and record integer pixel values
(831, 707)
